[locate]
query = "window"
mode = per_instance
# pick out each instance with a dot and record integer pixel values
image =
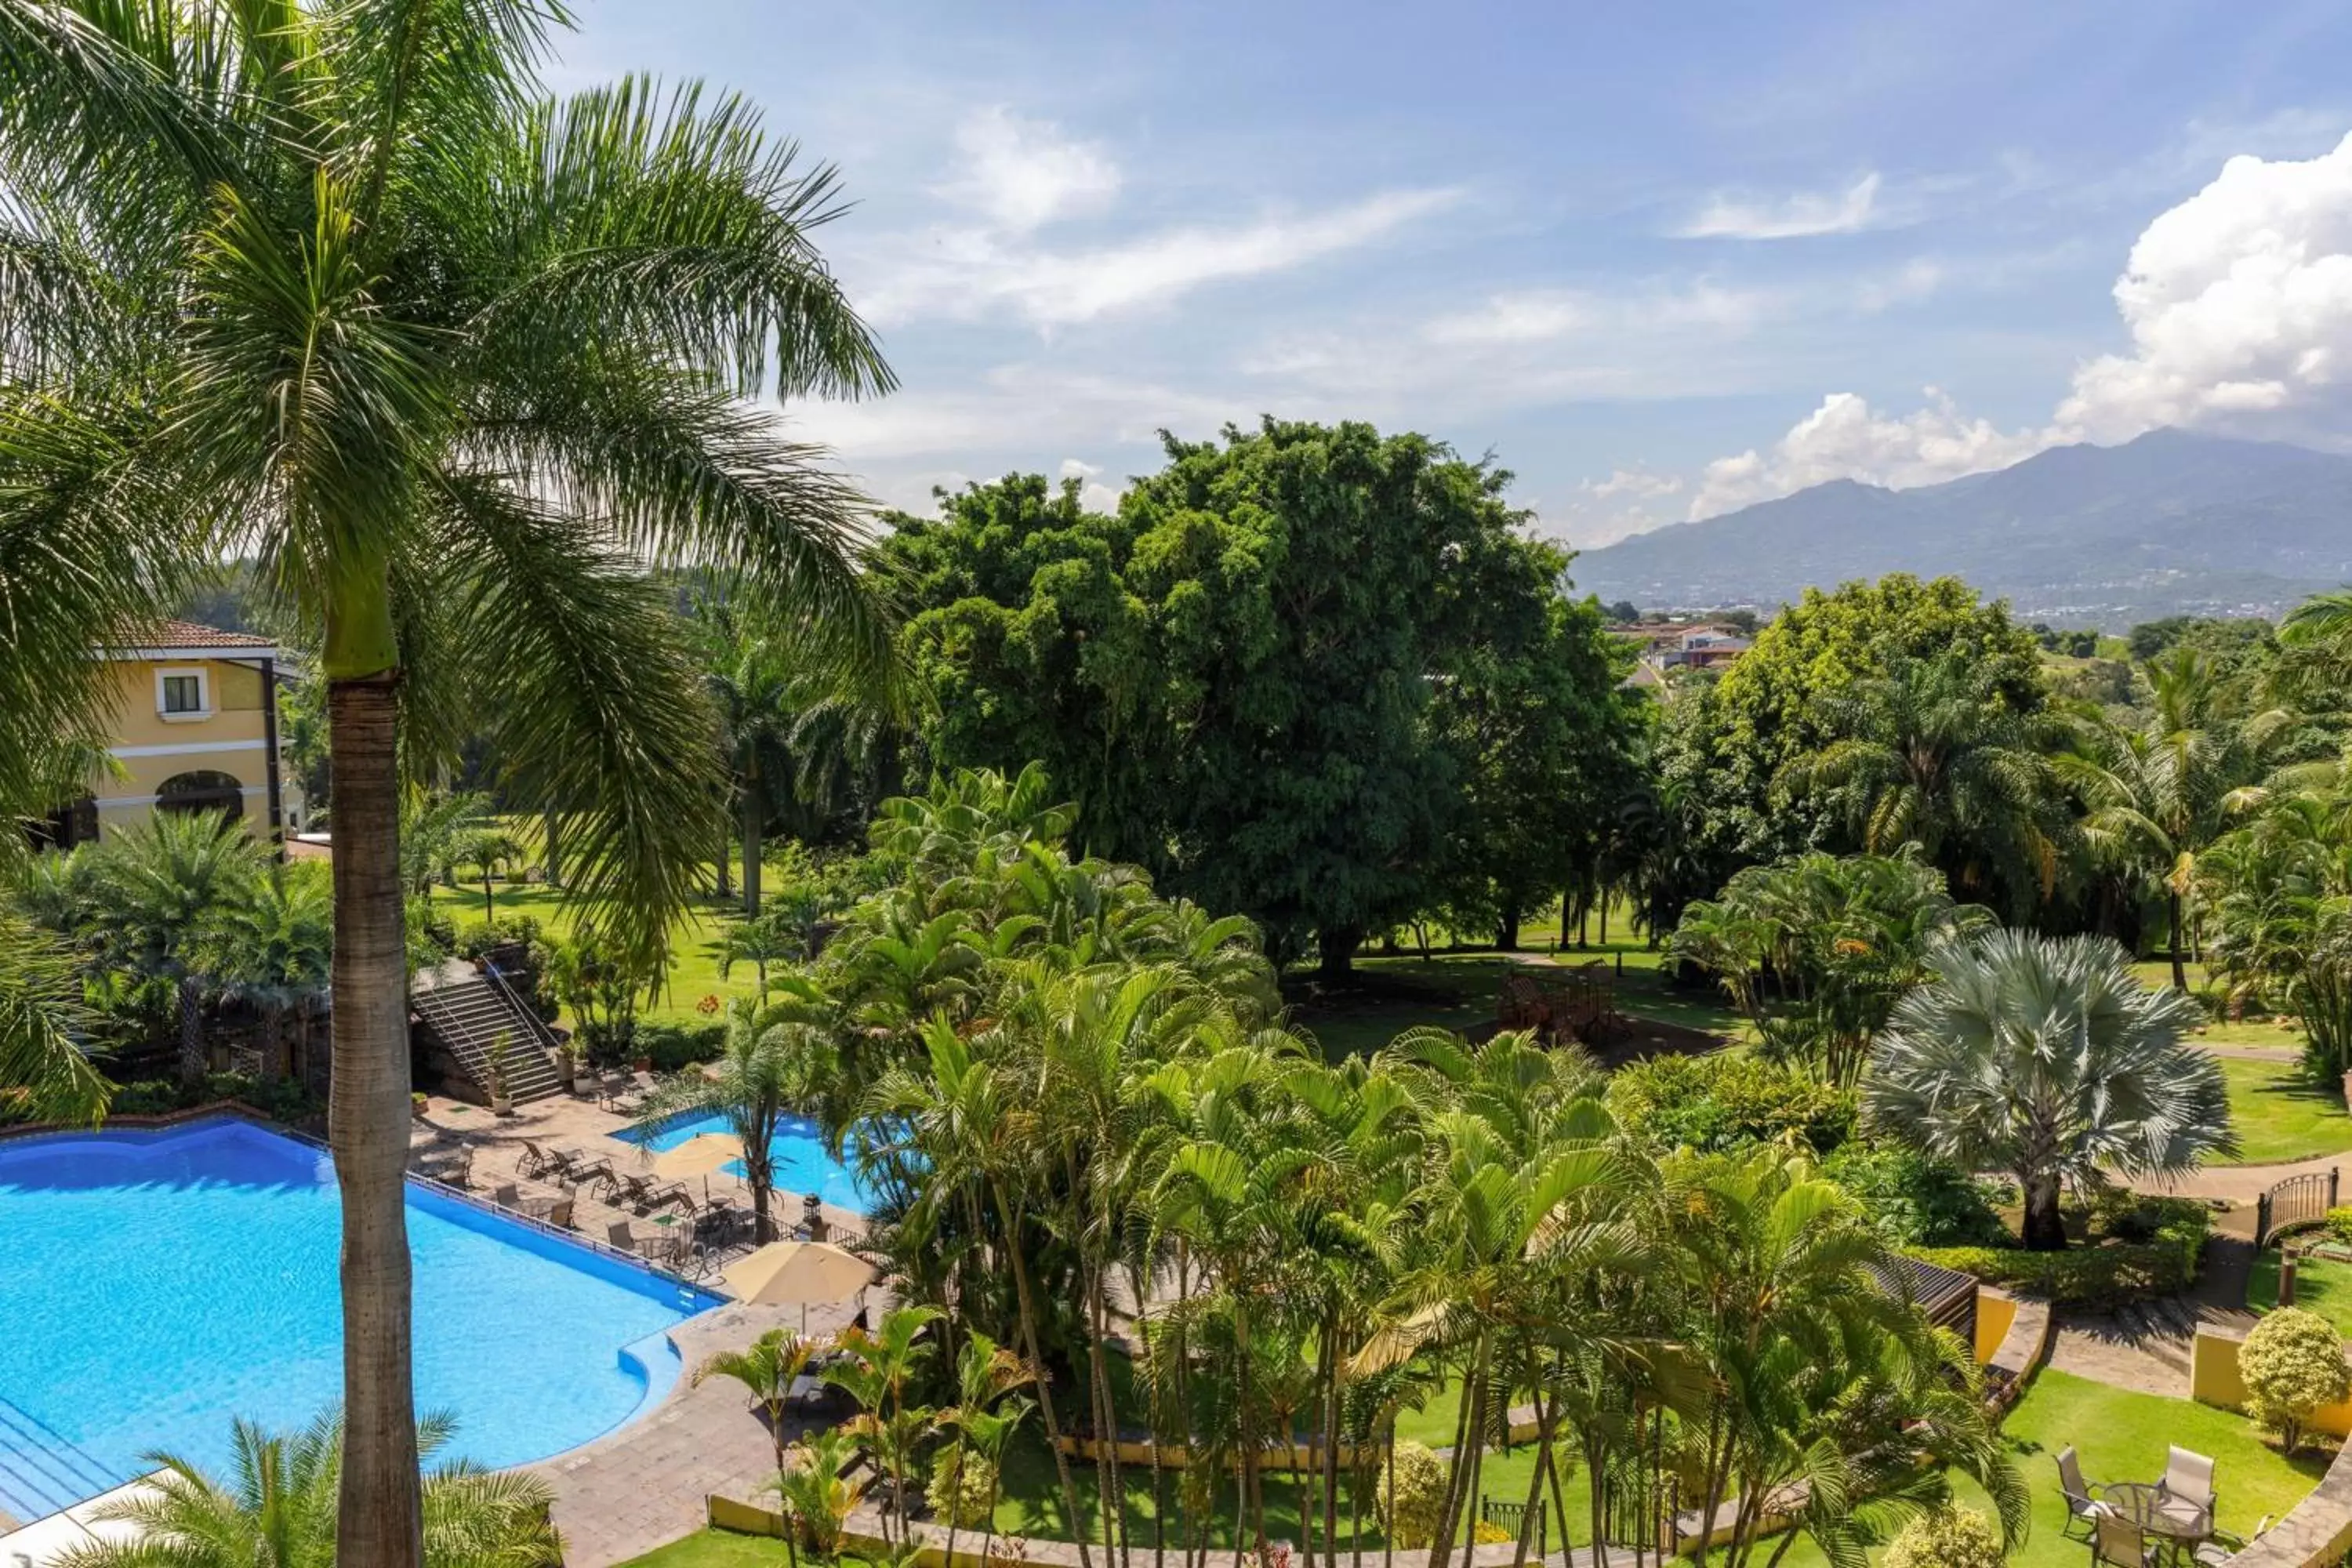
(181, 694)
(204, 790)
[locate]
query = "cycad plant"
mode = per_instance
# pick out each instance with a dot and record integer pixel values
(160, 892)
(766, 1368)
(341, 288)
(278, 1507)
(2046, 1057)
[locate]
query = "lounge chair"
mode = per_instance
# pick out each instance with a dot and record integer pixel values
(2189, 1480)
(2117, 1543)
(582, 1169)
(2084, 1510)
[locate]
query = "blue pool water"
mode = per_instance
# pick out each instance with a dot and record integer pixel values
(801, 1161)
(153, 1285)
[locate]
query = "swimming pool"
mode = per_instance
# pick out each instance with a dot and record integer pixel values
(801, 1161)
(154, 1284)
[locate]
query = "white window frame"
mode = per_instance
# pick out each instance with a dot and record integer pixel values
(204, 709)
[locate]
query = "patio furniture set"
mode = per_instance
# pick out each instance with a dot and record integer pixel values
(2142, 1524)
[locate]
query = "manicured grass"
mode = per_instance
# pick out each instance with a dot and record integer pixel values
(2281, 1115)
(716, 1549)
(2122, 1437)
(2321, 1286)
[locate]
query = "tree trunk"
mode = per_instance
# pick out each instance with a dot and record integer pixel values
(755, 808)
(1028, 1310)
(552, 858)
(726, 857)
(191, 1032)
(2046, 1231)
(2180, 976)
(1507, 929)
(379, 1520)
(1337, 946)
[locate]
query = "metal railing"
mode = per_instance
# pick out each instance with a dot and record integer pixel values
(2295, 1201)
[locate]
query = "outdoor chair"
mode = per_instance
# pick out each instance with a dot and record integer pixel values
(2084, 1510)
(559, 1215)
(538, 1161)
(2120, 1544)
(672, 1195)
(586, 1170)
(2188, 1478)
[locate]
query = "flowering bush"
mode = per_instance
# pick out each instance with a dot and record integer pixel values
(962, 1488)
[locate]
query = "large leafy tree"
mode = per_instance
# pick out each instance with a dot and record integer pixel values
(1234, 675)
(2047, 1059)
(160, 892)
(1780, 701)
(340, 287)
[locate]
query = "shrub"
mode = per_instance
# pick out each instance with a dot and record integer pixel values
(1487, 1532)
(2339, 1224)
(1410, 1495)
(675, 1046)
(962, 1488)
(1945, 1538)
(148, 1097)
(1915, 1199)
(2105, 1276)
(519, 931)
(1728, 1101)
(2293, 1364)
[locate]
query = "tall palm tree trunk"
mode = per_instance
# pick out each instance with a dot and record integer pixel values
(379, 1519)
(755, 807)
(191, 1031)
(1028, 1306)
(551, 856)
(2179, 974)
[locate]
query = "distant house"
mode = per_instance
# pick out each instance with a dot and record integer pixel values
(1666, 645)
(194, 729)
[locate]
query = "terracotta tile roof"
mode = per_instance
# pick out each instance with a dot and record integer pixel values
(188, 634)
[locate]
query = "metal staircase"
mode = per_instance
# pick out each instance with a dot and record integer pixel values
(42, 1473)
(465, 1015)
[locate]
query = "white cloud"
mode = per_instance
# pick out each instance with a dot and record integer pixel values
(969, 273)
(1641, 484)
(1844, 438)
(1915, 280)
(1020, 175)
(1800, 215)
(1093, 494)
(1539, 314)
(2238, 304)
(2239, 301)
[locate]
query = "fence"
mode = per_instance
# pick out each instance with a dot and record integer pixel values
(2298, 1200)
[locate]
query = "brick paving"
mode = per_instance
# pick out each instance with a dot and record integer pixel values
(644, 1485)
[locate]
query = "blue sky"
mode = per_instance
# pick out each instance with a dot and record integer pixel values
(1660, 260)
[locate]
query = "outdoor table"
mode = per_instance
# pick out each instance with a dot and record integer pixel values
(539, 1205)
(2177, 1523)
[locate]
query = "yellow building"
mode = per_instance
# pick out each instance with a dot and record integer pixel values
(194, 729)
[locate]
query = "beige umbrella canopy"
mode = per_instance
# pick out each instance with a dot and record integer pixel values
(800, 1271)
(699, 1155)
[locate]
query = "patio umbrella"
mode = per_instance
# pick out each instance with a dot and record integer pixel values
(699, 1155)
(800, 1271)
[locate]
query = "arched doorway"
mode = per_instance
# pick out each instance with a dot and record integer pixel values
(202, 790)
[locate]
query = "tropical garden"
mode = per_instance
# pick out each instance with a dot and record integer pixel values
(1025, 845)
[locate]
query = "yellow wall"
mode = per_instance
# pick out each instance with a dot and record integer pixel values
(2214, 1379)
(233, 738)
(1994, 1315)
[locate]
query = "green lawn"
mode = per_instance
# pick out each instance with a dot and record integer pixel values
(2281, 1115)
(715, 1549)
(2321, 1286)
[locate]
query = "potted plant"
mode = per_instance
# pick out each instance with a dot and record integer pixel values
(417, 1104)
(567, 1064)
(494, 1065)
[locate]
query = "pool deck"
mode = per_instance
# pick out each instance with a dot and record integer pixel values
(644, 1484)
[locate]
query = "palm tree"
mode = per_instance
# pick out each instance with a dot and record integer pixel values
(982, 1417)
(767, 1367)
(774, 1057)
(874, 1371)
(158, 889)
(274, 950)
(345, 289)
(489, 850)
(816, 1501)
(2045, 1058)
(45, 1071)
(1928, 753)
(278, 1507)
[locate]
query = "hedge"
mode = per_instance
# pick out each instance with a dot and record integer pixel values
(2106, 1275)
(675, 1046)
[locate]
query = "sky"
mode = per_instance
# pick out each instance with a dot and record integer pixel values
(1658, 261)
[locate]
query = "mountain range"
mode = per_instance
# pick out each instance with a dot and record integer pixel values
(2171, 523)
